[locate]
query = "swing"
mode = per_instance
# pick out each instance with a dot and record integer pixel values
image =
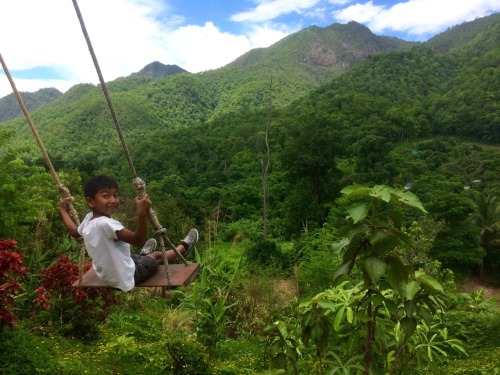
(169, 276)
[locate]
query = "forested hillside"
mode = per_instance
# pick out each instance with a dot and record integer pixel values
(158, 70)
(9, 108)
(416, 115)
(344, 185)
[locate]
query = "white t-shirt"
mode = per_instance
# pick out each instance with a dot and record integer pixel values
(110, 257)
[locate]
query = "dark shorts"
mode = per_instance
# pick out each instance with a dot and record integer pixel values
(145, 267)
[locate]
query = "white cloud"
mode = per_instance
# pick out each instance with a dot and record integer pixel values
(271, 9)
(267, 34)
(129, 34)
(339, 2)
(417, 17)
(126, 35)
(359, 12)
(47, 33)
(205, 47)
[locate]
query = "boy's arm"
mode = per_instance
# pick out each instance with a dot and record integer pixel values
(139, 237)
(72, 228)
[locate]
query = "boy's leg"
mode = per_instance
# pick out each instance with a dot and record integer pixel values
(145, 267)
(185, 248)
(171, 255)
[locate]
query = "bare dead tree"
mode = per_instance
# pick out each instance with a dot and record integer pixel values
(266, 160)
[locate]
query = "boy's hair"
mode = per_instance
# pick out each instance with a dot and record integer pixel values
(97, 183)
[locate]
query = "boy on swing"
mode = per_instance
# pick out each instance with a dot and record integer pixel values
(108, 242)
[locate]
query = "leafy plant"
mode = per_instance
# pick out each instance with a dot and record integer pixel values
(336, 365)
(188, 357)
(123, 345)
(209, 300)
(73, 311)
(391, 293)
(431, 347)
(11, 271)
(284, 347)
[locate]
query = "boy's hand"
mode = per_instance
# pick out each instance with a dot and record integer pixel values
(63, 203)
(143, 204)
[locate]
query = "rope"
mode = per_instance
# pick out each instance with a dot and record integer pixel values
(138, 183)
(105, 90)
(63, 191)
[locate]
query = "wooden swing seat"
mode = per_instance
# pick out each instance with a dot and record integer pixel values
(180, 275)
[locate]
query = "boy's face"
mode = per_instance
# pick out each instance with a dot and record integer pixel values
(105, 202)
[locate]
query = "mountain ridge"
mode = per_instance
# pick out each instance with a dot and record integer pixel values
(157, 70)
(9, 106)
(287, 70)
(315, 54)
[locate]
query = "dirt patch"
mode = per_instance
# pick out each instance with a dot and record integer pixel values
(470, 285)
(286, 289)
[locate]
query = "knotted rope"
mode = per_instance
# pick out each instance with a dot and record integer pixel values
(63, 191)
(140, 186)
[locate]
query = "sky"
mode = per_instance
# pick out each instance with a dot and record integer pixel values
(42, 43)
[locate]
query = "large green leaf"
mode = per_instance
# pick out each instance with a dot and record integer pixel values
(354, 191)
(380, 335)
(375, 267)
(408, 198)
(410, 308)
(358, 212)
(430, 283)
(426, 314)
(403, 237)
(382, 192)
(350, 314)
(409, 325)
(383, 242)
(353, 230)
(412, 287)
(339, 245)
(328, 305)
(338, 319)
(342, 270)
(397, 274)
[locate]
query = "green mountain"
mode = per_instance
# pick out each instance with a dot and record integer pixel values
(320, 53)
(466, 36)
(199, 139)
(9, 107)
(157, 70)
(286, 70)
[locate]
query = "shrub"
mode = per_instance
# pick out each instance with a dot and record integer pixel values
(188, 357)
(473, 319)
(23, 353)
(11, 270)
(264, 252)
(239, 230)
(74, 311)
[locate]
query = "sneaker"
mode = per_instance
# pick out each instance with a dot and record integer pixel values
(189, 241)
(149, 247)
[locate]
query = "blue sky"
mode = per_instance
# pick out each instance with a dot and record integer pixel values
(43, 46)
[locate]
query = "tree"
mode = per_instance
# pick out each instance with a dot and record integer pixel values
(23, 194)
(487, 217)
(393, 304)
(309, 159)
(265, 161)
(456, 245)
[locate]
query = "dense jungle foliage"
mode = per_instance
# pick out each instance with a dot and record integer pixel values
(382, 192)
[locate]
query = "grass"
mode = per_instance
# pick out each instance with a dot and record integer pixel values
(132, 341)
(485, 361)
(134, 338)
